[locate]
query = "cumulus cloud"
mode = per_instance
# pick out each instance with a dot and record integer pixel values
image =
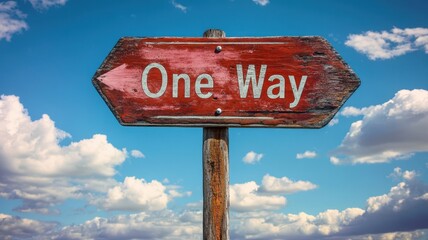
(306, 154)
(11, 20)
(174, 193)
(401, 213)
(422, 197)
(137, 154)
(252, 157)
(414, 235)
(333, 122)
(179, 6)
(188, 225)
(292, 226)
(12, 227)
(353, 111)
(400, 210)
(155, 225)
(284, 185)
(31, 158)
(252, 197)
(246, 197)
(388, 131)
(407, 175)
(136, 195)
(386, 45)
(261, 2)
(375, 203)
(45, 4)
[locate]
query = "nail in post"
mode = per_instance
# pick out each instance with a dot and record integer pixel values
(216, 176)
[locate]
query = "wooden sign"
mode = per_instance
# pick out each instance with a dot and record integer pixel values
(228, 82)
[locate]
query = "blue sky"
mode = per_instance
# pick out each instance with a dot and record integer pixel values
(69, 170)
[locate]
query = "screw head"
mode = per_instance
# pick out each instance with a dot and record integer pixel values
(218, 49)
(218, 111)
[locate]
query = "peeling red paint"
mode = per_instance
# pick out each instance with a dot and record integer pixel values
(329, 81)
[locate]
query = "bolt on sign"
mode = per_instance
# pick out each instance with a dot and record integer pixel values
(297, 82)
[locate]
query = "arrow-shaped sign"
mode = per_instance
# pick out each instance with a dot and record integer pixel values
(230, 82)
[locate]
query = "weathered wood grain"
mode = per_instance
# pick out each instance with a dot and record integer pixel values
(215, 157)
(216, 183)
(329, 83)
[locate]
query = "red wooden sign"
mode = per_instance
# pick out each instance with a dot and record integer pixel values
(229, 82)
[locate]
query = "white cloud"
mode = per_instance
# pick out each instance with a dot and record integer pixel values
(403, 190)
(137, 154)
(248, 197)
(252, 157)
(393, 130)
(136, 195)
(306, 154)
(11, 20)
(31, 158)
(406, 175)
(45, 4)
(333, 122)
(168, 225)
(292, 226)
(245, 197)
(155, 225)
(409, 175)
(353, 111)
(422, 197)
(334, 160)
(402, 235)
(174, 193)
(413, 235)
(35, 150)
(400, 210)
(179, 6)
(261, 2)
(21, 228)
(386, 45)
(399, 192)
(399, 214)
(284, 185)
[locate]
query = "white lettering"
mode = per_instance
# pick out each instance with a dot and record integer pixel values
(297, 91)
(204, 84)
(280, 85)
(199, 85)
(144, 80)
(251, 77)
(175, 78)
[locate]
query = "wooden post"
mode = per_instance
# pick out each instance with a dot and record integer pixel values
(216, 176)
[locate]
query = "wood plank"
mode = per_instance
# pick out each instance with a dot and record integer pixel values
(329, 82)
(216, 183)
(215, 157)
